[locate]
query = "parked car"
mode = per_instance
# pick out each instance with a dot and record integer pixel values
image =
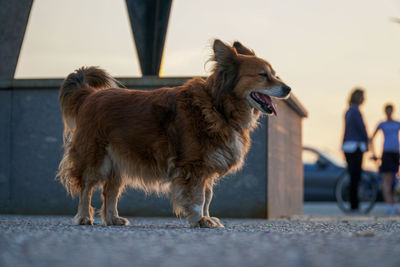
(322, 171)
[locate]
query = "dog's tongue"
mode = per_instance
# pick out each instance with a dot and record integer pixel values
(268, 100)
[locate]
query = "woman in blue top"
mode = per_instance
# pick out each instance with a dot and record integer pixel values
(390, 156)
(355, 143)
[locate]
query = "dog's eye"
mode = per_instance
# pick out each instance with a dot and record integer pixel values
(265, 75)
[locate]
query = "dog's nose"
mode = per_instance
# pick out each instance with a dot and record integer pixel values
(286, 89)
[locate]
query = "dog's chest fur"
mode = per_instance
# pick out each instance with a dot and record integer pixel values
(228, 155)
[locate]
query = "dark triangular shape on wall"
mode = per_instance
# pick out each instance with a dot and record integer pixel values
(149, 22)
(13, 20)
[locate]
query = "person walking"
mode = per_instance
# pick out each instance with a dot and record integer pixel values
(355, 143)
(390, 156)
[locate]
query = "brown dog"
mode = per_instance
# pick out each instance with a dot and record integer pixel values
(180, 138)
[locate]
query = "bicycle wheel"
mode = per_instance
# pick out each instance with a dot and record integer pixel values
(367, 193)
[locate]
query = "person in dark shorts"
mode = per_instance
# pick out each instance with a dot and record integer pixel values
(355, 143)
(390, 156)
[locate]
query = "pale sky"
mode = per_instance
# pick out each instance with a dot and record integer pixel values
(322, 49)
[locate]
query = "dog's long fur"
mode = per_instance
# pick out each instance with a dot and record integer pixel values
(179, 139)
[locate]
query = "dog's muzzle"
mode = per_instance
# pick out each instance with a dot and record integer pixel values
(262, 99)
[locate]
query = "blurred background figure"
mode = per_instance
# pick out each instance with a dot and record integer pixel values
(355, 143)
(390, 156)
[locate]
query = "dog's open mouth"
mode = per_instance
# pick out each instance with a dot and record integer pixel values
(265, 102)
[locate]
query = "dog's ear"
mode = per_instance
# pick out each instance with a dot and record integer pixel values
(226, 70)
(241, 49)
(224, 55)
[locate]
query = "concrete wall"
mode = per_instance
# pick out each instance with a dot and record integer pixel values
(284, 163)
(30, 150)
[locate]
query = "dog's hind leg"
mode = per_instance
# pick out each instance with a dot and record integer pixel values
(208, 193)
(85, 210)
(188, 199)
(111, 192)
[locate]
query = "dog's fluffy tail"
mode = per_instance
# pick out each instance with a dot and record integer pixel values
(76, 88)
(73, 92)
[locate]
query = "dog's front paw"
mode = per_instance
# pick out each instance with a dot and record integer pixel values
(217, 221)
(207, 222)
(83, 220)
(116, 220)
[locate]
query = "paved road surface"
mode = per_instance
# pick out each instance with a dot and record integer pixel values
(298, 241)
(332, 209)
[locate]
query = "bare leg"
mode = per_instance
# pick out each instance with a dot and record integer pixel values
(208, 197)
(85, 210)
(188, 199)
(387, 188)
(111, 192)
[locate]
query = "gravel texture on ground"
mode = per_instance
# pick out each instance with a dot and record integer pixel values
(296, 241)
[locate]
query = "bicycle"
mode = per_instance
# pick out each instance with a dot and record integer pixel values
(368, 191)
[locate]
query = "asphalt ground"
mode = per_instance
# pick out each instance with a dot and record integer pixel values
(331, 209)
(307, 240)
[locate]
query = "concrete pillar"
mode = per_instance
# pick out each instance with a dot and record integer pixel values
(149, 22)
(13, 20)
